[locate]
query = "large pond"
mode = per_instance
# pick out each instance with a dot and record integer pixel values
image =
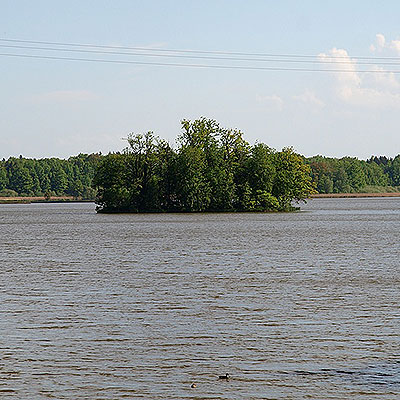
(293, 306)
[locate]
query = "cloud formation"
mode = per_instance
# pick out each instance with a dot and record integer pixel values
(379, 44)
(382, 44)
(363, 89)
(309, 98)
(272, 101)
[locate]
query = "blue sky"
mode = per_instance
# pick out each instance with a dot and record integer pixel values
(61, 108)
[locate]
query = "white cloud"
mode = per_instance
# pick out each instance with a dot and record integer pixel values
(339, 59)
(369, 97)
(271, 101)
(380, 40)
(309, 98)
(384, 80)
(382, 44)
(395, 45)
(374, 90)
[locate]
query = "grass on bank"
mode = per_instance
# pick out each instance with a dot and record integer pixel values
(379, 189)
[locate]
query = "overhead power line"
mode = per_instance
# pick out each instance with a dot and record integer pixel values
(202, 57)
(238, 67)
(230, 60)
(192, 51)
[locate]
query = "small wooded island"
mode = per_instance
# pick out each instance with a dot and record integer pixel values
(212, 169)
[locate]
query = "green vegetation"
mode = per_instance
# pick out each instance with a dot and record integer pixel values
(49, 177)
(212, 169)
(350, 175)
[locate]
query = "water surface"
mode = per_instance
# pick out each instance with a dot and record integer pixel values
(293, 306)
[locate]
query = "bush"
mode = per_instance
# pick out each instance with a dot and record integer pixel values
(8, 193)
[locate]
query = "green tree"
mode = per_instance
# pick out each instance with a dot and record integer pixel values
(143, 161)
(261, 173)
(20, 179)
(355, 173)
(212, 169)
(292, 180)
(341, 181)
(193, 190)
(3, 177)
(394, 171)
(219, 153)
(58, 178)
(110, 181)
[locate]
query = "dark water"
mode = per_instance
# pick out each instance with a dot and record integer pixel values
(293, 306)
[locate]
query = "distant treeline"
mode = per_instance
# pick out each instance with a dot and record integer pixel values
(49, 176)
(350, 175)
(211, 169)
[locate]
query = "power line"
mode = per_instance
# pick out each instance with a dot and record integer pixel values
(269, 60)
(236, 67)
(193, 51)
(330, 62)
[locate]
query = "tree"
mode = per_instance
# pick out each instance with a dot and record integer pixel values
(261, 173)
(143, 160)
(395, 171)
(36, 177)
(219, 153)
(292, 180)
(58, 178)
(213, 169)
(355, 173)
(193, 191)
(110, 180)
(3, 177)
(20, 179)
(341, 181)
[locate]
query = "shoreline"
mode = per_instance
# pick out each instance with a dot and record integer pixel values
(70, 199)
(38, 199)
(352, 195)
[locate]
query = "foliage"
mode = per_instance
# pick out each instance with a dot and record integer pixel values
(350, 175)
(212, 169)
(8, 193)
(52, 176)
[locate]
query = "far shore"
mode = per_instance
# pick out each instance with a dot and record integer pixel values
(353, 195)
(66, 199)
(38, 199)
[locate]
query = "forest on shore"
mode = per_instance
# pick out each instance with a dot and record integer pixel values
(49, 177)
(211, 169)
(350, 175)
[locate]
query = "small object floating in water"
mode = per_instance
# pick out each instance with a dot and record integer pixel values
(225, 377)
(193, 385)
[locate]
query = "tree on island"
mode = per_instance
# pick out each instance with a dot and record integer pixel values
(212, 169)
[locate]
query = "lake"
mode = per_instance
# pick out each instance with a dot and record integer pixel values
(299, 305)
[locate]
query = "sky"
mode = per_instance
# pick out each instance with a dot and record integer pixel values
(52, 107)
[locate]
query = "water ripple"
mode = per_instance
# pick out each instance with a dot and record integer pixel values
(292, 306)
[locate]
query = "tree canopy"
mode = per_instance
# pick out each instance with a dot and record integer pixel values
(212, 169)
(49, 176)
(350, 175)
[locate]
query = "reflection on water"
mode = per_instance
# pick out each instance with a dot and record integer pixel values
(292, 306)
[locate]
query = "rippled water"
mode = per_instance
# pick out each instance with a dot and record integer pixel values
(293, 306)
